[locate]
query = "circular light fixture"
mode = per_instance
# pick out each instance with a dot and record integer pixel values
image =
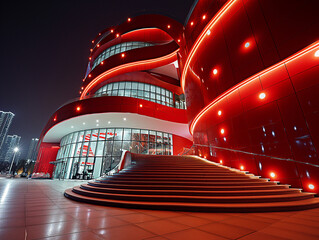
(78, 109)
(208, 32)
(204, 17)
(124, 119)
(215, 71)
(247, 44)
(168, 26)
(102, 63)
(221, 161)
(272, 174)
(242, 167)
(192, 23)
(262, 95)
(141, 105)
(311, 186)
(128, 19)
(16, 149)
(122, 55)
(219, 112)
(222, 131)
(317, 53)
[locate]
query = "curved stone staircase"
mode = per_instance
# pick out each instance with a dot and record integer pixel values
(189, 183)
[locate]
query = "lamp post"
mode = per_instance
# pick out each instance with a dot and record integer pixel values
(15, 151)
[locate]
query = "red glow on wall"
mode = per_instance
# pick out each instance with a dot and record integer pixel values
(200, 38)
(255, 77)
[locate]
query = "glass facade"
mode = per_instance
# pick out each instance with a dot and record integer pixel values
(90, 153)
(119, 48)
(137, 90)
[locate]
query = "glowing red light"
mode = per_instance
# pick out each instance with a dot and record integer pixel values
(78, 109)
(247, 44)
(262, 95)
(98, 45)
(311, 186)
(112, 30)
(215, 71)
(168, 26)
(54, 119)
(272, 174)
(92, 41)
(117, 35)
(222, 131)
(204, 17)
(242, 167)
(219, 112)
(123, 55)
(178, 40)
(91, 50)
(90, 58)
(192, 23)
(128, 19)
(82, 88)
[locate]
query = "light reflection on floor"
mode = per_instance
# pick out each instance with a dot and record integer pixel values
(37, 209)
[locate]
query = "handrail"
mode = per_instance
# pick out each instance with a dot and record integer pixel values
(250, 153)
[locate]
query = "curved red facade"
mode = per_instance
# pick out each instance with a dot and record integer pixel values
(250, 84)
(249, 72)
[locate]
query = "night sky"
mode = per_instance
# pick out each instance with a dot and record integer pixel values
(45, 48)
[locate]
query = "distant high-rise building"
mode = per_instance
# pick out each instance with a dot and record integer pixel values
(9, 144)
(5, 122)
(32, 152)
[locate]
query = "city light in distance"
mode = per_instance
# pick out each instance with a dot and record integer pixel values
(262, 95)
(272, 174)
(317, 53)
(242, 167)
(247, 44)
(219, 112)
(311, 186)
(215, 71)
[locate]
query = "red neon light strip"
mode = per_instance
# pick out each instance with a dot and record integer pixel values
(118, 68)
(201, 38)
(248, 80)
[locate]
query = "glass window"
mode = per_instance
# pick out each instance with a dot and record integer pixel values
(118, 134)
(94, 136)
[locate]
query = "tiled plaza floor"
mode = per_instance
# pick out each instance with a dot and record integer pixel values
(37, 209)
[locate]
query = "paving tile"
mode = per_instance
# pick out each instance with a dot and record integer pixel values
(137, 218)
(193, 234)
(130, 232)
(17, 233)
(288, 234)
(161, 214)
(163, 226)
(225, 230)
(77, 236)
(12, 222)
(103, 222)
(253, 224)
(43, 219)
(54, 229)
(261, 236)
(298, 228)
(216, 217)
(190, 220)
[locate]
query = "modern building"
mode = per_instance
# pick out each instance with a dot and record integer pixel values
(5, 122)
(7, 152)
(238, 83)
(32, 151)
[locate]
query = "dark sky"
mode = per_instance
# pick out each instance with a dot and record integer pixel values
(45, 47)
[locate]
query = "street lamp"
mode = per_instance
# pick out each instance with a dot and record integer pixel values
(15, 151)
